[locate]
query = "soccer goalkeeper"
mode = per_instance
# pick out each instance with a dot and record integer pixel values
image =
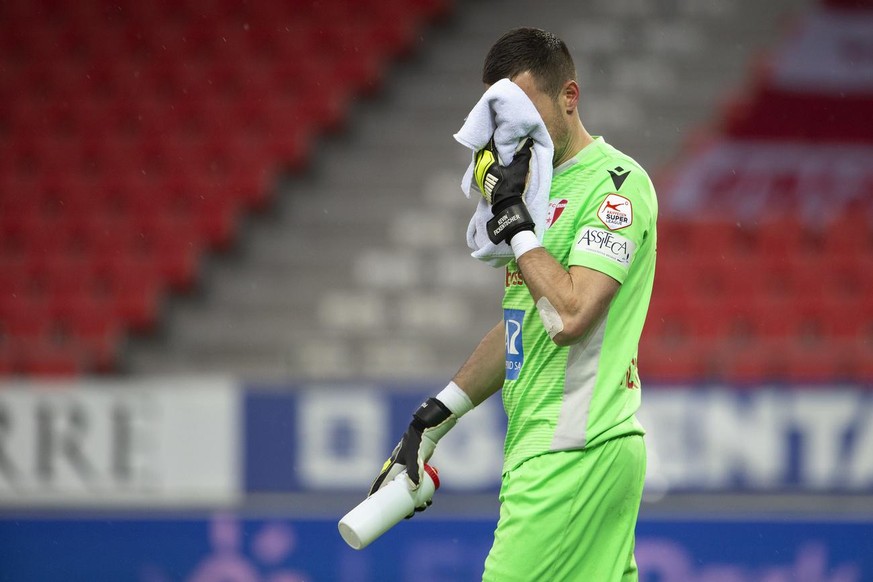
(565, 353)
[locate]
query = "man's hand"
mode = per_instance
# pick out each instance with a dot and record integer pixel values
(503, 188)
(429, 423)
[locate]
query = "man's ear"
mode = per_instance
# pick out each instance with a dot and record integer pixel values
(570, 97)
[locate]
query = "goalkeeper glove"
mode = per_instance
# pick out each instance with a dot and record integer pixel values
(433, 419)
(503, 188)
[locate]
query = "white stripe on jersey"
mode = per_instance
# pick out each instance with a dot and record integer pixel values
(583, 361)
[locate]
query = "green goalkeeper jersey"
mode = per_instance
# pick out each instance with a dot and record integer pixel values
(602, 215)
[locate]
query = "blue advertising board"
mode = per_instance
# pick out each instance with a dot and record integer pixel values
(216, 444)
(228, 548)
(334, 437)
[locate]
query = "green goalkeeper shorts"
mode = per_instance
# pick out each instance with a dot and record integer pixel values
(569, 516)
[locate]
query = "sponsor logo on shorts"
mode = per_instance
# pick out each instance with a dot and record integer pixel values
(616, 212)
(606, 244)
(513, 319)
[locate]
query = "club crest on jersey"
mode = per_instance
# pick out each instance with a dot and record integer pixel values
(556, 208)
(616, 212)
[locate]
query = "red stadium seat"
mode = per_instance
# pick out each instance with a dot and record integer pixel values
(850, 276)
(854, 238)
(132, 290)
(777, 114)
(50, 359)
(780, 238)
(212, 211)
(748, 363)
(25, 316)
(7, 358)
(674, 361)
(817, 362)
(667, 320)
(61, 275)
(711, 239)
(14, 275)
(90, 324)
(169, 247)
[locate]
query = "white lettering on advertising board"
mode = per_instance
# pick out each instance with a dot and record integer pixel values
(345, 435)
(157, 442)
(341, 435)
(765, 439)
(760, 440)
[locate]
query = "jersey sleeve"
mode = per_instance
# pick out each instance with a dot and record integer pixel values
(613, 224)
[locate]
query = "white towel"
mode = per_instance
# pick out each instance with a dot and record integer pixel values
(506, 112)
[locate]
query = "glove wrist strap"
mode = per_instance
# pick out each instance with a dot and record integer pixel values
(430, 414)
(509, 221)
(451, 401)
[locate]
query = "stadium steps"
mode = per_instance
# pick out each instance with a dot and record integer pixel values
(269, 311)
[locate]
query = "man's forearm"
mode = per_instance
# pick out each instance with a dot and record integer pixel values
(579, 297)
(485, 370)
(546, 277)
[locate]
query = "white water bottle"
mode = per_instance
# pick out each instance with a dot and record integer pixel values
(383, 509)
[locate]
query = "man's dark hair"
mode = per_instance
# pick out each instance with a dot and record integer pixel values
(530, 49)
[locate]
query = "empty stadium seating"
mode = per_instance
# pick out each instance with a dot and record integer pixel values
(649, 71)
(766, 244)
(133, 137)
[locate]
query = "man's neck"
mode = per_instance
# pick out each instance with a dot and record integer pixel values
(579, 140)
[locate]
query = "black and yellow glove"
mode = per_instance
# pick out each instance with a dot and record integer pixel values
(503, 188)
(429, 424)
